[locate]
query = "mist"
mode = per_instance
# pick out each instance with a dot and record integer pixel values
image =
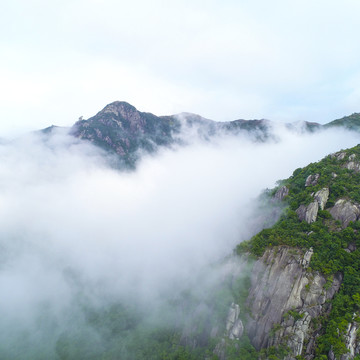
(76, 233)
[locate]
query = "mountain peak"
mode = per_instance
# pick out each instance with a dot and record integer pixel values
(119, 108)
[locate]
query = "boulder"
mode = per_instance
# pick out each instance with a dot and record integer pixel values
(312, 180)
(322, 197)
(345, 211)
(339, 155)
(352, 165)
(234, 326)
(281, 193)
(308, 213)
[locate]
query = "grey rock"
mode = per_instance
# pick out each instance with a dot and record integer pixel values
(352, 157)
(352, 247)
(345, 211)
(350, 341)
(237, 330)
(220, 349)
(234, 330)
(232, 316)
(331, 355)
(281, 193)
(280, 282)
(322, 197)
(307, 257)
(301, 212)
(308, 213)
(312, 180)
(353, 165)
(311, 212)
(339, 155)
(234, 326)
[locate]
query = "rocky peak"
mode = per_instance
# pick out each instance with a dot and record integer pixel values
(124, 115)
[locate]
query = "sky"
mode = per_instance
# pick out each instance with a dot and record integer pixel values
(225, 60)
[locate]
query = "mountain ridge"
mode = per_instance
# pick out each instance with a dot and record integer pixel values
(123, 130)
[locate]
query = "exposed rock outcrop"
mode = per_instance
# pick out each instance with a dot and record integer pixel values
(353, 165)
(345, 211)
(312, 180)
(234, 330)
(308, 213)
(340, 155)
(322, 197)
(281, 193)
(351, 343)
(280, 283)
(234, 326)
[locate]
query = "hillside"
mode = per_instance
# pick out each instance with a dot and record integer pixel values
(304, 297)
(351, 122)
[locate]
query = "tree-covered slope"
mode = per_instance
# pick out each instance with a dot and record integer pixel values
(351, 122)
(322, 217)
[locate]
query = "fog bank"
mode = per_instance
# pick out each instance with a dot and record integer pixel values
(72, 227)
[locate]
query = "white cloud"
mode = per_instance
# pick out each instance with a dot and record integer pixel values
(70, 225)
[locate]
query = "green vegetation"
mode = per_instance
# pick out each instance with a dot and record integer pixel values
(180, 329)
(328, 240)
(351, 122)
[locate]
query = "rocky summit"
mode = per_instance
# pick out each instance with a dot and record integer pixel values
(123, 130)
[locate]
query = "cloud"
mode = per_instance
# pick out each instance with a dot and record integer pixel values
(72, 227)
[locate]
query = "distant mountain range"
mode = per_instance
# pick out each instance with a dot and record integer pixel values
(121, 129)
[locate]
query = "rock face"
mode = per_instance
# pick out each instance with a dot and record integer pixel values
(351, 343)
(352, 165)
(312, 180)
(122, 129)
(308, 213)
(234, 326)
(322, 197)
(234, 330)
(345, 211)
(281, 286)
(339, 155)
(281, 193)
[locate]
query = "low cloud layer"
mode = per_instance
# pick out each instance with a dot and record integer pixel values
(70, 224)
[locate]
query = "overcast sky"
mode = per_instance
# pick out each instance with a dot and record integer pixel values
(281, 60)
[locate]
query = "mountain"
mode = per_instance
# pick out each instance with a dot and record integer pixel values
(304, 298)
(351, 122)
(123, 130)
(290, 292)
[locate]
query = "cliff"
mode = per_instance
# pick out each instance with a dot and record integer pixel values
(284, 299)
(304, 297)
